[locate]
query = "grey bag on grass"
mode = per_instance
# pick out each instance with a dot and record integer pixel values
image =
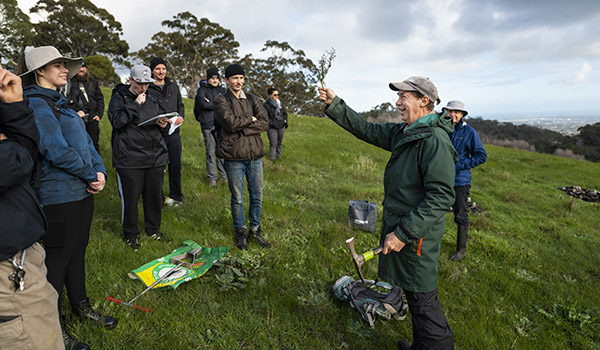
(362, 215)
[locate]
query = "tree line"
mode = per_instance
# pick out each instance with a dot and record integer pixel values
(189, 44)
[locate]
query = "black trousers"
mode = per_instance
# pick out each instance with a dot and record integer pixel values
(461, 215)
(430, 328)
(134, 183)
(173, 142)
(65, 242)
(93, 129)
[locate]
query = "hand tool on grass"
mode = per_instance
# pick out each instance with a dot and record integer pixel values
(359, 260)
(187, 260)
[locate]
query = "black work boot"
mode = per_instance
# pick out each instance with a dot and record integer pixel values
(461, 243)
(241, 241)
(256, 233)
(70, 342)
(84, 311)
(404, 345)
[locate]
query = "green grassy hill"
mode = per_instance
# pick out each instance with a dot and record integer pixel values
(530, 279)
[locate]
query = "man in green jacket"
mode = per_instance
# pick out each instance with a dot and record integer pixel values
(418, 190)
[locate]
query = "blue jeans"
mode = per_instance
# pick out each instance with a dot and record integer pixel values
(253, 170)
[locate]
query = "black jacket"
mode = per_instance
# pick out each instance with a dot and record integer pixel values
(168, 98)
(93, 105)
(238, 137)
(275, 123)
(133, 146)
(22, 219)
(204, 111)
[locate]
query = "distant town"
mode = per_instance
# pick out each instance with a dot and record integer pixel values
(565, 125)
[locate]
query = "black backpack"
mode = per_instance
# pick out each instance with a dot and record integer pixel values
(371, 298)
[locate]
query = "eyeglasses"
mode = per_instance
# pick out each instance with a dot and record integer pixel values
(275, 94)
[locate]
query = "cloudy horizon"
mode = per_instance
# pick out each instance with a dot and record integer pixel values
(500, 57)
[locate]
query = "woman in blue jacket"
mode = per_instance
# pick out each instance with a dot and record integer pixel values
(470, 154)
(71, 172)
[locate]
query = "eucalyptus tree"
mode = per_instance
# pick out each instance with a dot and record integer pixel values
(190, 46)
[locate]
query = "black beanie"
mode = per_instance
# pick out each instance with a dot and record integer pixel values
(234, 69)
(212, 72)
(156, 61)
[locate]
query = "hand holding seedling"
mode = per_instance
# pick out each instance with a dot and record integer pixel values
(326, 95)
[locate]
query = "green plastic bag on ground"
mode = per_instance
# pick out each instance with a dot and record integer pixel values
(154, 270)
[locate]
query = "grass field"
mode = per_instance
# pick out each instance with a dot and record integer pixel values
(530, 279)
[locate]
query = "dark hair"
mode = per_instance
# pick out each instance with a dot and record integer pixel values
(270, 90)
(22, 68)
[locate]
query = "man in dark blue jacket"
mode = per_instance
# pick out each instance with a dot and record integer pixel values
(204, 110)
(471, 153)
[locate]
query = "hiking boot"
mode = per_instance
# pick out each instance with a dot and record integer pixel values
(256, 233)
(461, 243)
(212, 183)
(404, 345)
(72, 343)
(157, 236)
(133, 243)
(241, 241)
(84, 311)
(170, 202)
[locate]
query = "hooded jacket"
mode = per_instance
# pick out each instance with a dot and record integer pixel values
(204, 111)
(168, 98)
(70, 161)
(21, 215)
(133, 146)
(470, 150)
(239, 137)
(418, 190)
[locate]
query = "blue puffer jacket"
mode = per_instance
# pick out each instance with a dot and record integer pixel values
(70, 161)
(470, 150)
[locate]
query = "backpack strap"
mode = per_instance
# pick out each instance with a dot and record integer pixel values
(55, 109)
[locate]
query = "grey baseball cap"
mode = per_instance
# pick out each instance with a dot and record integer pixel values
(456, 105)
(141, 74)
(422, 85)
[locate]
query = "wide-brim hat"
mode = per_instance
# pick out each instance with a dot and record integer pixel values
(37, 57)
(456, 106)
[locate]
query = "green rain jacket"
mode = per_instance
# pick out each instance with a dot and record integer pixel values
(418, 191)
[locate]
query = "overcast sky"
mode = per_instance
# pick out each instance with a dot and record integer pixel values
(501, 57)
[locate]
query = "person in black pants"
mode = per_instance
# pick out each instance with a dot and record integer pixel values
(139, 153)
(278, 122)
(87, 100)
(167, 94)
(71, 172)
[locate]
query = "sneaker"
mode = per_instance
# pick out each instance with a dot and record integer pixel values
(158, 236)
(212, 183)
(170, 202)
(133, 243)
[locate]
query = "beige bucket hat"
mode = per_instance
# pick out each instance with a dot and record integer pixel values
(37, 57)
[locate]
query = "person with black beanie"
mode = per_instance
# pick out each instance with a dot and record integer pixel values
(204, 111)
(167, 94)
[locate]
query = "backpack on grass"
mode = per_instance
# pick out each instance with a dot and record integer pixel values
(371, 298)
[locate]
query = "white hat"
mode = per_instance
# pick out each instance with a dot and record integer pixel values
(456, 106)
(37, 57)
(141, 74)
